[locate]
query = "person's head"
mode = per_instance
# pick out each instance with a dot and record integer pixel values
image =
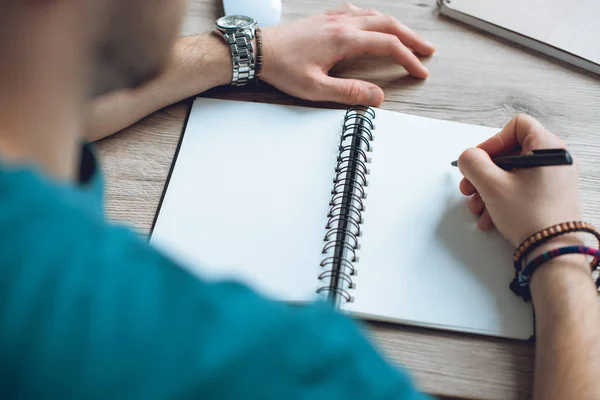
(120, 43)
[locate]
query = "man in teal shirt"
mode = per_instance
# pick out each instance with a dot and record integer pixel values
(89, 310)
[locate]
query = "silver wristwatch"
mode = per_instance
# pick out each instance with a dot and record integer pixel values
(238, 32)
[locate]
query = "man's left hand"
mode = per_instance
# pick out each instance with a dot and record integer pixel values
(298, 56)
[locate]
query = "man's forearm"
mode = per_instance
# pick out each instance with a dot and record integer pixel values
(568, 323)
(198, 64)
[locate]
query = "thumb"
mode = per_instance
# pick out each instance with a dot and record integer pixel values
(477, 166)
(350, 91)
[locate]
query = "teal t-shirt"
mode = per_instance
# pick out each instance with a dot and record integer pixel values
(89, 310)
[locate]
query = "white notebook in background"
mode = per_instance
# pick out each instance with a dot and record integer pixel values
(249, 195)
(567, 30)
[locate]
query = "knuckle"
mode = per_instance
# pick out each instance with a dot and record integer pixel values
(351, 91)
(388, 20)
(467, 156)
(391, 41)
(338, 31)
(532, 141)
(350, 6)
(525, 118)
(371, 12)
(536, 133)
(334, 18)
(527, 123)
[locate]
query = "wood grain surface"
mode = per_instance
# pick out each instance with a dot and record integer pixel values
(475, 78)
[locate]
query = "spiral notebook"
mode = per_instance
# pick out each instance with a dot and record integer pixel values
(359, 207)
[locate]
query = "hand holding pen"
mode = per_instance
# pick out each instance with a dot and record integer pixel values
(525, 200)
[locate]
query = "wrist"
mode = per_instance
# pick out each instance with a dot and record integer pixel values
(217, 60)
(203, 62)
(267, 55)
(565, 275)
(564, 272)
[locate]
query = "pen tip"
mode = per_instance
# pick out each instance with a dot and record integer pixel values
(454, 163)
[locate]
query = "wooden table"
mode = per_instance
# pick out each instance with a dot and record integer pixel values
(475, 78)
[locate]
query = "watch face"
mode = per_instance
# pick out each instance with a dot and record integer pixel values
(235, 22)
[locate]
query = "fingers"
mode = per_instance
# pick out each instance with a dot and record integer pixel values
(346, 8)
(477, 166)
(522, 132)
(350, 9)
(485, 221)
(390, 25)
(476, 204)
(466, 187)
(477, 207)
(371, 21)
(386, 45)
(348, 91)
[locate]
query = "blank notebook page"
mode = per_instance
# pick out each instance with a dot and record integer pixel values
(249, 195)
(423, 260)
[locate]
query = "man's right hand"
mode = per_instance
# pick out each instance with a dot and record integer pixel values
(520, 202)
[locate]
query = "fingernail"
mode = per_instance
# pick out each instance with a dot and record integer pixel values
(374, 95)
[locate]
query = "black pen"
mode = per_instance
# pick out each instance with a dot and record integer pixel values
(539, 158)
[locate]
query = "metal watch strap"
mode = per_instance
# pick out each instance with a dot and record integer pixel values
(242, 56)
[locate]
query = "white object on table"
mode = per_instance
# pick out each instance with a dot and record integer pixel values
(266, 12)
(567, 30)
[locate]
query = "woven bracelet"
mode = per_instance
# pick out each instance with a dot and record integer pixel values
(537, 239)
(521, 284)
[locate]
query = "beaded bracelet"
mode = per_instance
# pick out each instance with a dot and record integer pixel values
(520, 285)
(259, 55)
(540, 237)
(536, 240)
